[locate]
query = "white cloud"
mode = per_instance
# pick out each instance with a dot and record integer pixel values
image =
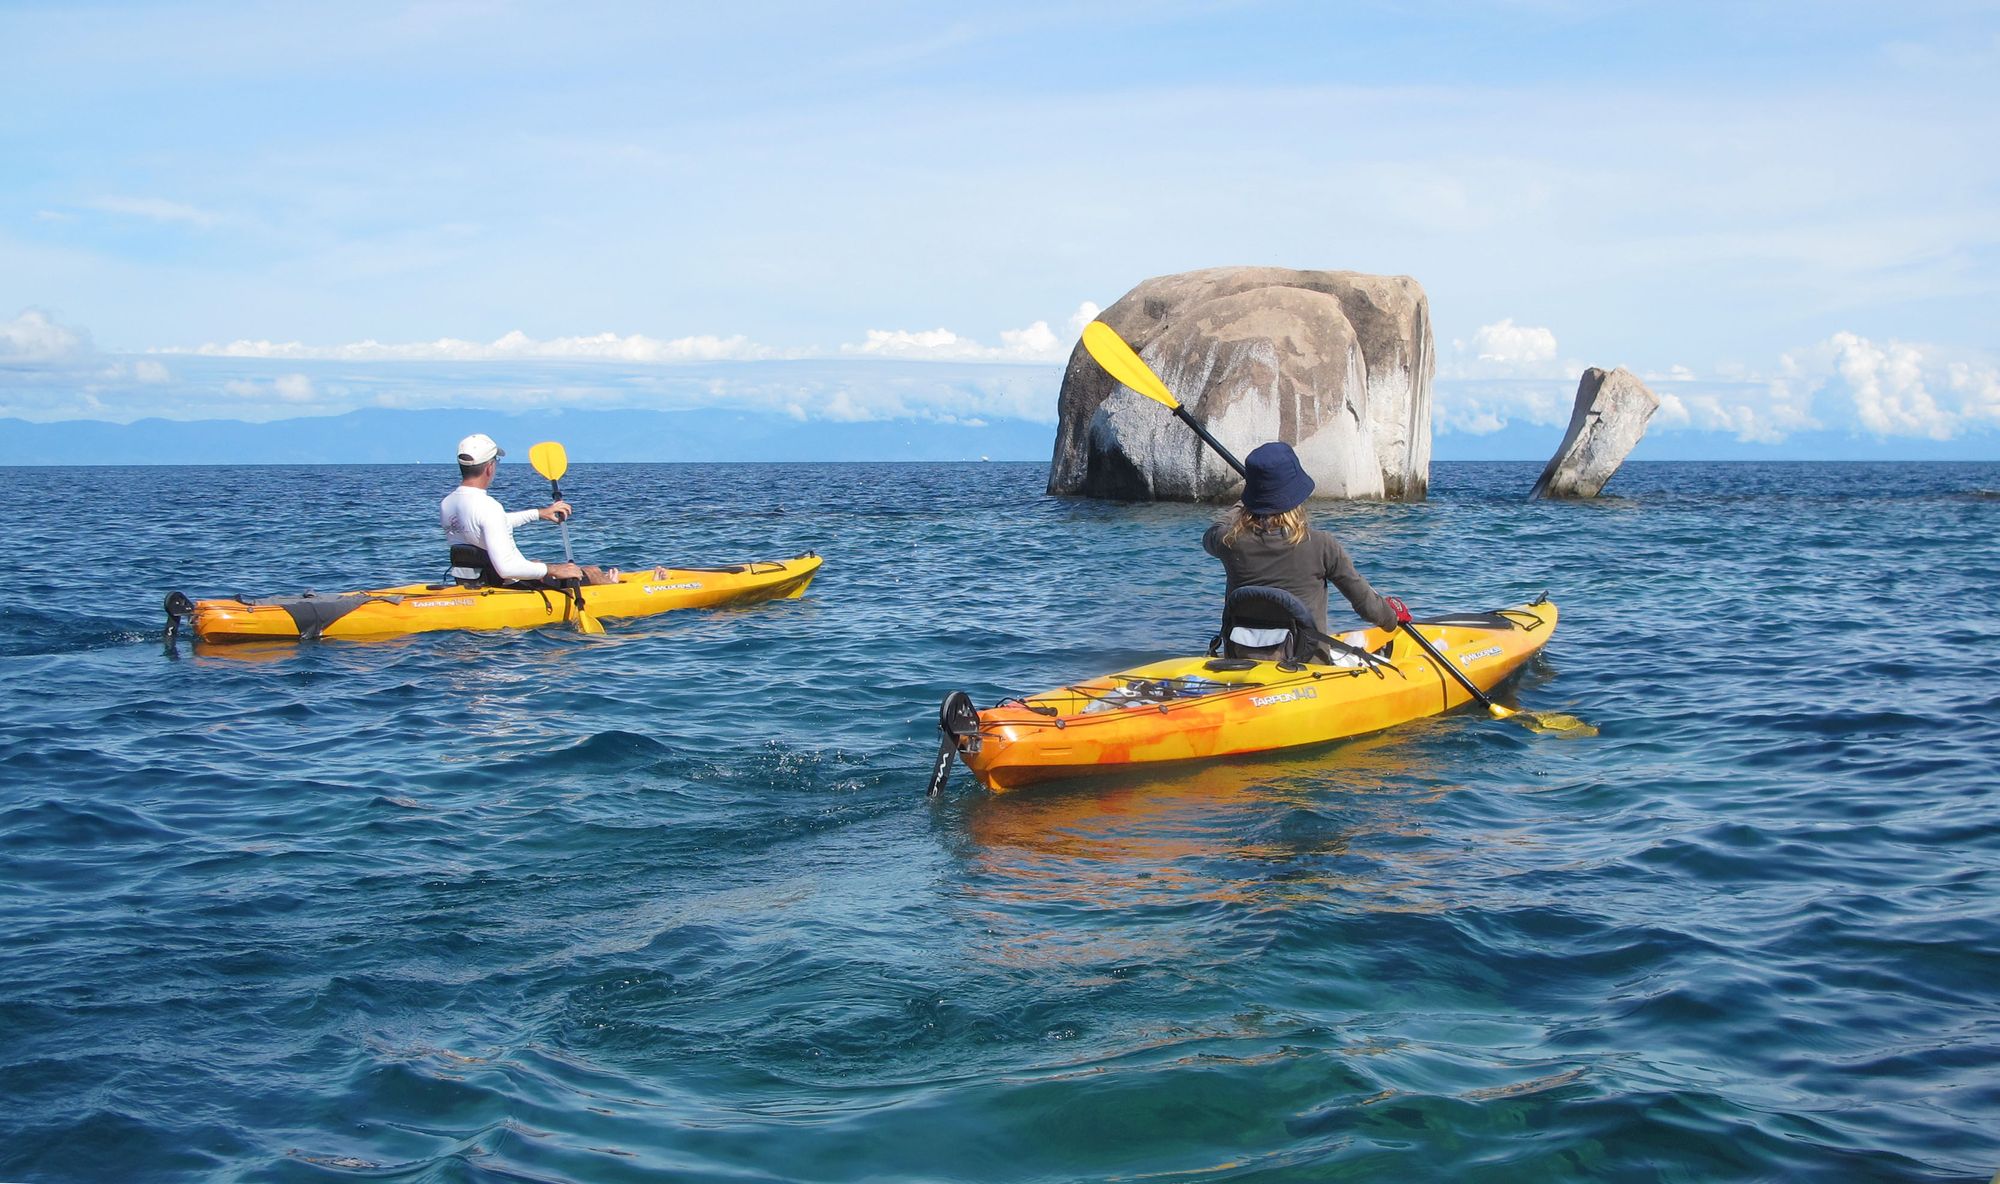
(1479, 408)
(1764, 411)
(1084, 314)
(1478, 421)
(1673, 410)
(256, 389)
(144, 371)
(969, 395)
(154, 209)
(1888, 389)
(286, 388)
(1979, 386)
(1514, 344)
(1894, 388)
(1754, 413)
(1508, 374)
(1507, 350)
(1036, 343)
(1844, 383)
(514, 346)
(924, 343)
(34, 337)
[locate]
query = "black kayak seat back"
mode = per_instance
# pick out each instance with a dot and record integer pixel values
(1266, 624)
(472, 567)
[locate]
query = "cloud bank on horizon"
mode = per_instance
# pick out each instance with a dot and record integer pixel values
(1506, 374)
(306, 211)
(1035, 343)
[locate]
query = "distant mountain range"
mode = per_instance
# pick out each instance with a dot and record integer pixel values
(378, 436)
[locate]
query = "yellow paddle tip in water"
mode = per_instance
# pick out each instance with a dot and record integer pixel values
(1560, 722)
(1545, 721)
(550, 459)
(588, 624)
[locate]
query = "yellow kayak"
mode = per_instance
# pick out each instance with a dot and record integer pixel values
(426, 608)
(1186, 709)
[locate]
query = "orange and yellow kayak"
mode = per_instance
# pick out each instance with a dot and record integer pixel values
(1185, 709)
(426, 608)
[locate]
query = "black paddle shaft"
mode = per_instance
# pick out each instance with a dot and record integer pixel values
(1450, 669)
(1211, 441)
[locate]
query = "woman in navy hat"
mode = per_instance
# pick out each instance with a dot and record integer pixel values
(1266, 543)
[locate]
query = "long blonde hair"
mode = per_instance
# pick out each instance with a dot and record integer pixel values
(1291, 524)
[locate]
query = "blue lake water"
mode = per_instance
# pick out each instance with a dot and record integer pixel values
(670, 904)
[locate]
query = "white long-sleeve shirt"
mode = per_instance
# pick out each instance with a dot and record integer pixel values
(473, 516)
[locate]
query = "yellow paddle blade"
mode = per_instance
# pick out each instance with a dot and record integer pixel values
(585, 623)
(1121, 363)
(1556, 721)
(550, 459)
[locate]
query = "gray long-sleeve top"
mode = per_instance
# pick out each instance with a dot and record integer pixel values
(1304, 569)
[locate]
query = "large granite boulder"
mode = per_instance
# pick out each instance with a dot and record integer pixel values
(1610, 415)
(1335, 363)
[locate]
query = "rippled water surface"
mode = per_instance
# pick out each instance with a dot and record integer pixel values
(669, 903)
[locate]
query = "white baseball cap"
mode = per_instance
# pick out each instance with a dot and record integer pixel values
(477, 449)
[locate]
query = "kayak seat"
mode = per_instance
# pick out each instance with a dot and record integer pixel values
(1267, 625)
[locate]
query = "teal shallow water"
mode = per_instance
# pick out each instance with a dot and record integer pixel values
(669, 903)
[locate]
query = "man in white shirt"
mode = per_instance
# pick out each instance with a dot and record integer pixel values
(481, 531)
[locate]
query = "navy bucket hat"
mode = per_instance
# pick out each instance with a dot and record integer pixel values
(1274, 481)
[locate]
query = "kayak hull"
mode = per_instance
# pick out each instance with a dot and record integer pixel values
(429, 608)
(1196, 708)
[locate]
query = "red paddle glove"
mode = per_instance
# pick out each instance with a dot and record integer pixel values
(1402, 610)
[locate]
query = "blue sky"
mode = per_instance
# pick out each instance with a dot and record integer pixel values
(1787, 216)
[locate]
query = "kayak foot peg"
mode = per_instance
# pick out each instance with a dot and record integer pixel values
(958, 728)
(179, 608)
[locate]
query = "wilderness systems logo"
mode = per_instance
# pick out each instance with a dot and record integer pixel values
(687, 587)
(1469, 659)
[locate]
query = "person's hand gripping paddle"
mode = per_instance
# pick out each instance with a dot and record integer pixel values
(551, 460)
(1542, 721)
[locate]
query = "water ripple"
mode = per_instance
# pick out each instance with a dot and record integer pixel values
(668, 902)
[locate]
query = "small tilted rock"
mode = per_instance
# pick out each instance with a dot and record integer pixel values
(1335, 363)
(1611, 413)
